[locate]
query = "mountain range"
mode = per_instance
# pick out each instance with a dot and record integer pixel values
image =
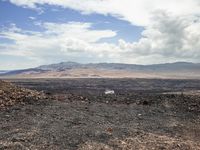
(108, 70)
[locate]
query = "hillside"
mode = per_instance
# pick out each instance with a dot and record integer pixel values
(109, 70)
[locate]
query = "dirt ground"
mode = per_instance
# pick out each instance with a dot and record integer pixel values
(142, 114)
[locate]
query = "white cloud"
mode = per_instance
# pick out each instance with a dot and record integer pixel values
(171, 33)
(59, 42)
(168, 39)
(174, 38)
(138, 12)
(77, 30)
(32, 18)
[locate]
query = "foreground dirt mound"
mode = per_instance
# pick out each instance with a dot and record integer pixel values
(11, 94)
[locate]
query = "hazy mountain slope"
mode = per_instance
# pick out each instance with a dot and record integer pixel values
(3, 71)
(117, 66)
(111, 70)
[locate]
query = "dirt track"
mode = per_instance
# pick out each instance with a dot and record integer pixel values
(80, 116)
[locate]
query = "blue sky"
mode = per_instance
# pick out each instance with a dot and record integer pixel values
(37, 32)
(22, 18)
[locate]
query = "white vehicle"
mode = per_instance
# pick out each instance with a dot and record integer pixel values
(109, 92)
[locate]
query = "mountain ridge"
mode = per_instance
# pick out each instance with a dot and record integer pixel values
(74, 69)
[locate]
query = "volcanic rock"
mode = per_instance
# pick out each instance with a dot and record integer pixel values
(11, 94)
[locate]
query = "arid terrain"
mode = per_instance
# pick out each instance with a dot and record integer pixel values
(177, 70)
(57, 114)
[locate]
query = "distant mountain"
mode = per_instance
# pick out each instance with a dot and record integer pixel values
(3, 71)
(117, 66)
(61, 66)
(111, 70)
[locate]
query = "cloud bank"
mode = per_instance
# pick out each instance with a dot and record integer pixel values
(171, 33)
(138, 12)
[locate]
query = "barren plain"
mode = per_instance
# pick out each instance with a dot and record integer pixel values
(59, 114)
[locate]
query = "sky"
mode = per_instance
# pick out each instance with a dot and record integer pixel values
(38, 32)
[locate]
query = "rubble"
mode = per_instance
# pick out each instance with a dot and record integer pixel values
(80, 116)
(11, 94)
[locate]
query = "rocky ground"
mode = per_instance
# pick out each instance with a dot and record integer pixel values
(76, 114)
(11, 95)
